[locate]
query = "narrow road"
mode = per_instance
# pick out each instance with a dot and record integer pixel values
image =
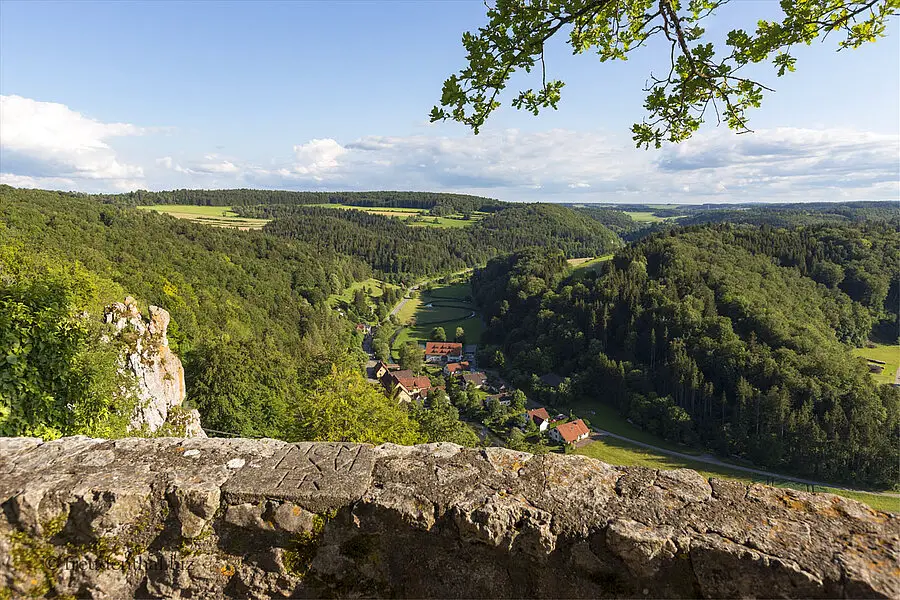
(397, 308)
(712, 460)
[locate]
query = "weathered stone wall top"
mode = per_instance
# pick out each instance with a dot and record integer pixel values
(242, 518)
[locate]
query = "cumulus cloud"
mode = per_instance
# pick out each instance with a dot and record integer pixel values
(784, 165)
(48, 144)
(44, 144)
(771, 165)
(317, 156)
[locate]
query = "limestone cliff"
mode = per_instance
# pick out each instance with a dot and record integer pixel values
(158, 371)
(208, 518)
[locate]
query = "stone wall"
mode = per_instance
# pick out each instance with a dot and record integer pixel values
(199, 518)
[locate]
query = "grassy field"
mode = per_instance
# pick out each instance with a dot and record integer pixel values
(406, 213)
(890, 354)
(374, 288)
(217, 216)
(617, 452)
(644, 217)
(445, 306)
(588, 264)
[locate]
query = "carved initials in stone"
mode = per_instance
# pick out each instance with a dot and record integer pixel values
(309, 470)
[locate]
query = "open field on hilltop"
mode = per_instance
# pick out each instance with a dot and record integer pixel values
(588, 264)
(405, 214)
(374, 288)
(888, 353)
(618, 452)
(644, 217)
(444, 306)
(216, 216)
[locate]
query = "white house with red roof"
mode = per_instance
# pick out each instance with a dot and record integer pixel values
(540, 416)
(571, 432)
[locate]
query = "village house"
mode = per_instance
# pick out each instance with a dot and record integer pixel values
(571, 432)
(382, 367)
(363, 328)
(540, 416)
(407, 386)
(438, 352)
(474, 380)
(456, 368)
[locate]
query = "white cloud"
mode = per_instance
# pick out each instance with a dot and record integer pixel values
(50, 144)
(317, 156)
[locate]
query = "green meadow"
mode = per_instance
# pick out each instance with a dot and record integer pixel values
(447, 306)
(216, 216)
(417, 217)
(887, 353)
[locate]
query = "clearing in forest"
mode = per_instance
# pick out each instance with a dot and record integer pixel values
(588, 264)
(374, 288)
(216, 216)
(886, 353)
(448, 306)
(414, 217)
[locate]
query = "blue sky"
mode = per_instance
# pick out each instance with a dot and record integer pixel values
(335, 95)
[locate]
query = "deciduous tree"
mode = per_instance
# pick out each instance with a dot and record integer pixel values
(702, 78)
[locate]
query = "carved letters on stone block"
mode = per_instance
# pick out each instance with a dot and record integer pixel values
(318, 477)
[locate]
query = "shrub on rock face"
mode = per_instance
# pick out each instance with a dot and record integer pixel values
(57, 376)
(66, 371)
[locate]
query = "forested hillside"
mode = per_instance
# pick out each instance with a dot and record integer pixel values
(402, 253)
(720, 337)
(248, 316)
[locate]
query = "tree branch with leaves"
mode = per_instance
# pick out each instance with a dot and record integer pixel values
(700, 76)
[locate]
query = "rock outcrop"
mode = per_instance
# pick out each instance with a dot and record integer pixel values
(207, 518)
(157, 370)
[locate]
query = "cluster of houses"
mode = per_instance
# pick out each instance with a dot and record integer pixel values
(457, 361)
(409, 387)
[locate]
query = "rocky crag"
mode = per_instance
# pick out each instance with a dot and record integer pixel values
(208, 518)
(158, 372)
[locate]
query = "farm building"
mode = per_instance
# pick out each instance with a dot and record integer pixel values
(437, 352)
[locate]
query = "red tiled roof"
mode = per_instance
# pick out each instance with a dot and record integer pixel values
(443, 348)
(476, 377)
(411, 382)
(538, 414)
(460, 366)
(572, 431)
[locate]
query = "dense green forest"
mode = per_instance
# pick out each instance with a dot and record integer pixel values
(232, 295)
(735, 338)
(398, 252)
